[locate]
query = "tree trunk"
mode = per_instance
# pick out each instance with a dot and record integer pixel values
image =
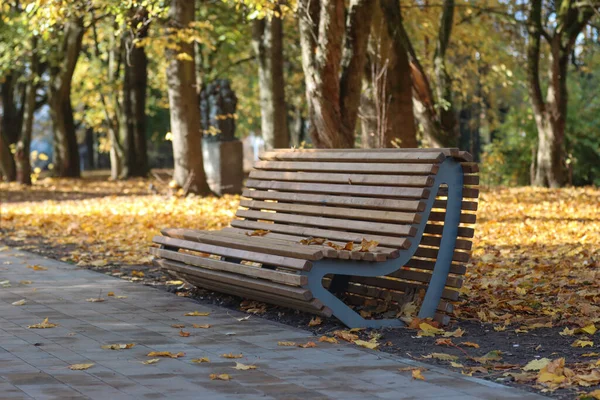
(391, 81)
(7, 162)
(267, 40)
(22, 157)
(66, 151)
(134, 97)
(12, 120)
(184, 107)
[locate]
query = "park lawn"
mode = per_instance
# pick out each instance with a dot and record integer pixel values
(534, 272)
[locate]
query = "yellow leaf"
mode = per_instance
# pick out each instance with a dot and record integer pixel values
(328, 339)
(138, 274)
(589, 329)
(80, 367)
(456, 365)
(416, 374)
(43, 325)
(593, 395)
(99, 263)
(548, 377)
(307, 345)
(457, 333)
(25, 282)
(345, 335)
(567, 332)
(200, 360)
(494, 355)
(582, 343)
(176, 283)
(590, 355)
(470, 344)
(231, 355)
(536, 365)
(367, 245)
(110, 294)
(500, 328)
(151, 361)
(368, 345)
(118, 346)
(286, 344)
(243, 367)
(19, 303)
(315, 321)
(429, 330)
(37, 268)
(197, 314)
(165, 354)
(220, 377)
(201, 326)
(442, 356)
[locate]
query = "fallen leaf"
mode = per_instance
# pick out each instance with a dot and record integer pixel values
(536, 365)
(184, 334)
(312, 240)
(80, 367)
(369, 345)
(137, 274)
(582, 343)
(231, 355)
(99, 263)
(175, 283)
(500, 328)
(592, 395)
(470, 344)
(25, 282)
(197, 314)
(444, 342)
(151, 361)
(288, 344)
(43, 325)
(345, 335)
(590, 355)
(367, 245)
(589, 329)
(5, 284)
(177, 326)
(567, 332)
(590, 379)
(456, 365)
(243, 367)
(416, 374)
(307, 345)
(258, 232)
(37, 268)
(120, 297)
(200, 360)
(118, 346)
(246, 318)
(201, 326)
(110, 294)
(219, 377)
(19, 303)
(494, 355)
(457, 333)
(315, 321)
(95, 300)
(442, 356)
(165, 354)
(429, 330)
(328, 339)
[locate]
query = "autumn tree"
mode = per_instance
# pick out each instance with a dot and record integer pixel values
(267, 41)
(560, 31)
(333, 59)
(183, 100)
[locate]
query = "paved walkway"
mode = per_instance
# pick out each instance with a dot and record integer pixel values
(34, 363)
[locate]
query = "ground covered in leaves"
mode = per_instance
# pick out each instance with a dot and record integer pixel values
(527, 314)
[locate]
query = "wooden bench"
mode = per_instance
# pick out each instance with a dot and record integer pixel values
(417, 204)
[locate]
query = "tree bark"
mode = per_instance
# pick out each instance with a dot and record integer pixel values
(22, 157)
(136, 75)
(184, 107)
(267, 41)
(391, 83)
(8, 170)
(12, 120)
(333, 101)
(66, 151)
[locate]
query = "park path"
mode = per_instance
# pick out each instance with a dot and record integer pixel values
(34, 363)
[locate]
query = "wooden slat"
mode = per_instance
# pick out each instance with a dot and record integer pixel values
(425, 252)
(471, 180)
(356, 190)
(437, 230)
(238, 280)
(370, 168)
(417, 276)
(448, 294)
(468, 193)
(461, 244)
(261, 245)
(257, 272)
(329, 200)
(387, 241)
(466, 205)
(429, 265)
(269, 259)
(465, 218)
(363, 157)
(353, 179)
(313, 306)
(469, 167)
(378, 254)
(449, 151)
(339, 212)
(334, 223)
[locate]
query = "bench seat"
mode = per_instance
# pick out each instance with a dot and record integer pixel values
(417, 205)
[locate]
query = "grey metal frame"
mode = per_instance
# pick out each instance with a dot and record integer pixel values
(451, 174)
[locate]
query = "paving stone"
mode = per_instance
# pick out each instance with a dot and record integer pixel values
(145, 317)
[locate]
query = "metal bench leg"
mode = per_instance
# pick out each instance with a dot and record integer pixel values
(447, 245)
